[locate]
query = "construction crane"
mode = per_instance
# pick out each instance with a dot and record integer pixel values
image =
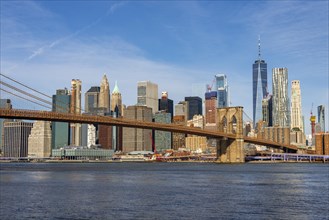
(209, 86)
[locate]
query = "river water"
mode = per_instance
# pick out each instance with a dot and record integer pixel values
(164, 191)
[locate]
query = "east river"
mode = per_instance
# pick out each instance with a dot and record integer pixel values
(164, 191)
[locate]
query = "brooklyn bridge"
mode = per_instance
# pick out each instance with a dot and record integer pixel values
(229, 133)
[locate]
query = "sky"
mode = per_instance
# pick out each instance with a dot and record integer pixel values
(180, 45)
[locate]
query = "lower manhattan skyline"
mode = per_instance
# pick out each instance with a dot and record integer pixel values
(46, 44)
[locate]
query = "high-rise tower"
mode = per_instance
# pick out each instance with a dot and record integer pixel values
(75, 108)
(116, 100)
(222, 91)
(281, 112)
(104, 94)
(296, 106)
(147, 95)
(92, 99)
(259, 86)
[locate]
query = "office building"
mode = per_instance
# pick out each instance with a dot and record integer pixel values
(196, 143)
(211, 105)
(162, 139)
(182, 109)
(116, 101)
(321, 117)
(267, 111)
(281, 111)
(92, 99)
(6, 104)
(137, 139)
(259, 86)
(296, 106)
(194, 106)
(178, 138)
(75, 108)
(197, 121)
(16, 136)
(147, 95)
(166, 104)
(60, 131)
(39, 142)
(104, 94)
(222, 91)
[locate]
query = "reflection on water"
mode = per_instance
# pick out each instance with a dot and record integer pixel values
(164, 191)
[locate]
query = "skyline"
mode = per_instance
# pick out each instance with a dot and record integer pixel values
(160, 41)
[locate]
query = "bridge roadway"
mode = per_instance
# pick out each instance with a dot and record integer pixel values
(95, 119)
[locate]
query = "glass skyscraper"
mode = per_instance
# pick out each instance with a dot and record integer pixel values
(222, 90)
(259, 86)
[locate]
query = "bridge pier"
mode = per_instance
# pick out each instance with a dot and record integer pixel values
(230, 121)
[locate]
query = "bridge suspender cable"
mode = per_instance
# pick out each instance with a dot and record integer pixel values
(25, 98)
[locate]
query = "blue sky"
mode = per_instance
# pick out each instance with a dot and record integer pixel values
(174, 44)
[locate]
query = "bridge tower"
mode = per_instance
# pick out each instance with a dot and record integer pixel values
(230, 121)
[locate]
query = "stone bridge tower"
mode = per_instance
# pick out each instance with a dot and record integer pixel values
(230, 121)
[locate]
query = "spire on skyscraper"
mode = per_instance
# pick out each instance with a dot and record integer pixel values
(258, 47)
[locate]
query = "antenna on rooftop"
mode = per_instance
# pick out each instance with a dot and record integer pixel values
(259, 47)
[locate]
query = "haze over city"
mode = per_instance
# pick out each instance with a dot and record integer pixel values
(177, 45)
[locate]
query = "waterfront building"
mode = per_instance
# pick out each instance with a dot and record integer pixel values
(259, 86)
(281, 111)
(16, 135)
(6, 104)
(166, 104)
(267, 110)
(162, 139)
(82, 153)
(39, 142)
(322, 143)
(182, 109)
(296, 106)
(321, 117)
(147, 95)
(104, 94)
(194, 106)
(211, 105)
(137, 139)
(276, 134)
(222, 91)
(92, 99)
(75, 108)
(60, 131)
(116, 101)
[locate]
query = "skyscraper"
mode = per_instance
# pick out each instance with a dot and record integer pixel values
(147, 95)
(75, 108)
(39, 141)
(92, 99)
(194, 106)
(116, 100)
(281, 111)
(321, 117)
(116, 108)
(166, 104)
(267, 111)
(60, 131)
(296, 106)
(104, 94)
(162, 139)
(211, 103)
(16, 135)
(137, 139)
(259, 86)
(182, 109)
(222, 91)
